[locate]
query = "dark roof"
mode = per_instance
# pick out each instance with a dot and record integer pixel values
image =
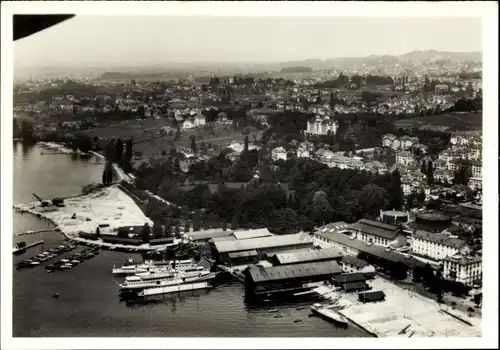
(439, 238)
(376, 228)
(374, 250)
(371, 295)
(350, 278)
(276, 273)
(351, 286)
(248, 253)
(354, 261)
(163, 240)
(132, 241)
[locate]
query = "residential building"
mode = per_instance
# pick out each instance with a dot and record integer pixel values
(477, 170)
(406, 142)
(278, 153)
(405, 158)
(388, 139)
(475, 183)
(437, 246)
(463, 269)
(321, 126)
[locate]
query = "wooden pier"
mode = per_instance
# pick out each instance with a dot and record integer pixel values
(31, 245)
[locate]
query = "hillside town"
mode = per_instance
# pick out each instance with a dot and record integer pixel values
(370, 177)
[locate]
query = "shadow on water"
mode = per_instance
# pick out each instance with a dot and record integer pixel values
(26, 148)
(132, 301)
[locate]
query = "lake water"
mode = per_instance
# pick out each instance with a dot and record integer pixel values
(89, 306)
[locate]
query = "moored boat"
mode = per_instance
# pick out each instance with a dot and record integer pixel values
(329, 314)
(136, 282)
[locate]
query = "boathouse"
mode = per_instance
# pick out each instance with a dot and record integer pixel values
(305, 256)
(260, 281)
(262, 245)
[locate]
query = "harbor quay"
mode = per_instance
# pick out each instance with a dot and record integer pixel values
(406, 314)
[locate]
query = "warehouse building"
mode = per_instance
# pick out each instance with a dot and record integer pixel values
(263, 245)
(262, 281)
(243, 234)
(202, 237)
(304, 256)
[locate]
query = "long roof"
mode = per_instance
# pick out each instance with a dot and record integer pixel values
(263, 242)
(350, 278)
(248, 234)
(308, 256)
(439, 238)
(276, 273)
(354, 261)
(201, 235)
(376, 228)
(375, 250)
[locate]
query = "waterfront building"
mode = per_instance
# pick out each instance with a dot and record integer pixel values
(305, 256)
(262, 281)
(205, 236)
(437, 246)
(261, 245)
(463, 269)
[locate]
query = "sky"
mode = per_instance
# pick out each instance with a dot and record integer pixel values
(142, 40)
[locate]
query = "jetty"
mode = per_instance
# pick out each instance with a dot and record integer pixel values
(32, 232)
(18, 249)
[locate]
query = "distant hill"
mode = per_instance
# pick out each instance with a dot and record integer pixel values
(222, 68)
(297, 69)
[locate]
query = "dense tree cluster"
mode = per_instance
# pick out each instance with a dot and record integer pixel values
(316, 194)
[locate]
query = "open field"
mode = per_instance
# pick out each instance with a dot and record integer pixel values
(448, 121)
(147, 140)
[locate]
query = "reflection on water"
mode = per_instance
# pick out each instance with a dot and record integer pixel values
(88, 303)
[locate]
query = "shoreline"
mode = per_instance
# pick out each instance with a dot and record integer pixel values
(117, 170)
(92, 210)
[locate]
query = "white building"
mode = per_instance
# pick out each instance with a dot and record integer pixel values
(477, 170)
(388, 139)
(404, 158)
(378, 233)
(475, 183)
(321, 126)
(437, 246)
(463, 269)
(351, 264)
(278, 153)
(303, 152)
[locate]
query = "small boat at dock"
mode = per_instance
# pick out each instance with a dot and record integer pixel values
(329, 315)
